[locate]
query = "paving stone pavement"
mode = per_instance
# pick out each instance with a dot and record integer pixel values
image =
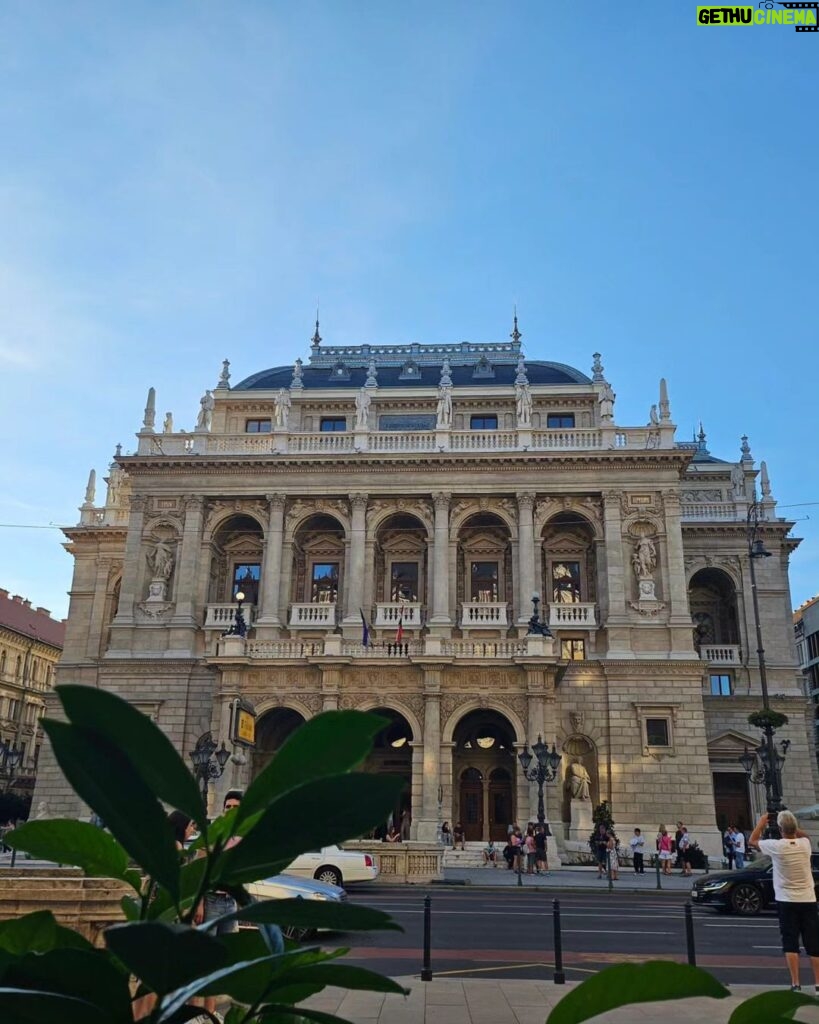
(479, 1001)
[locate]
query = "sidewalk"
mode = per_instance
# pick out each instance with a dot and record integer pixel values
(570, 878)
(478, 1001)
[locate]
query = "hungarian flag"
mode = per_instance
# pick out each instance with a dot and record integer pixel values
(399, 635)
(365, 635)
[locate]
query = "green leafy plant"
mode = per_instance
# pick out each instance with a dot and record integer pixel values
(765, 717)
(601, 815)
(125, 769)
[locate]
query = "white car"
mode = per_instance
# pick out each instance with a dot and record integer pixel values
(333, 865)
(278, 887)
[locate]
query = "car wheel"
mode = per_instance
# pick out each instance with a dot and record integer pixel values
(299, 934)
(746, 900)
(330, 875)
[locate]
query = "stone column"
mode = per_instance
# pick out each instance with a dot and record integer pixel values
(187, 562)
(616, 624)
(526, 556)
(441, 621)
(132, 563)
(355, 569)
(682, 643)
(272, 563)
(427, 820)
(97, 624)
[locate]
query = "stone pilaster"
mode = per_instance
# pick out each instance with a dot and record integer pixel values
(616, 624)
(677, 589)
(428, 821)
(355, 570)
(132, 565)
(187, 562)
(440, 622)
(272, 564)
(526, 556)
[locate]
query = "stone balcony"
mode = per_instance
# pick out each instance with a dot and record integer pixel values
(388, 615)
(484, 615)
(312, 616)
(572, 616)
(333, 645)
(222, 616)
(721, 654)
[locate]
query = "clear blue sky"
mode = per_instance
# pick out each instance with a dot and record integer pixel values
(179, 182)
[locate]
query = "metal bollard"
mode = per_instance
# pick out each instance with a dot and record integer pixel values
(426, 970)
(689, 935)
(657, 866)
(559, 976)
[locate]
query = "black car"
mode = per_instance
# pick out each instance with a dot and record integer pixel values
(746, 891)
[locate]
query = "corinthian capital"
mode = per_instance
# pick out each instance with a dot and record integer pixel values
(275, 500)
(441, 501)
(526, 501)
(358, 502)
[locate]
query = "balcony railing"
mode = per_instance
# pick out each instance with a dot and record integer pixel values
(484, 648)
(721, 654)
(284, 650)
(387, 649)
(387, 616)
(222, 616)
(484, 615)
(572, 616)
(711, 511)
(312, 616)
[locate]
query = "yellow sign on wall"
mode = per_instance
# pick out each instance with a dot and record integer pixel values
(244, 728)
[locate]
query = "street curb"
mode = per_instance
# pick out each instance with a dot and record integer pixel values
(460, 883)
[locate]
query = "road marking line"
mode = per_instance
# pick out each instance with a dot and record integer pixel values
(620, 931)
(511, 967)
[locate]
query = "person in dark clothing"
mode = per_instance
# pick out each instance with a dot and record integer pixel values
(541, 859)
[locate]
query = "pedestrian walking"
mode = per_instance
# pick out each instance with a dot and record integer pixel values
(599, 846)
(664, 843)
(637, 844)
(794, 892)
(739, 848)
(676, 846)
(728, 846)
(611, 854)
(684, 848)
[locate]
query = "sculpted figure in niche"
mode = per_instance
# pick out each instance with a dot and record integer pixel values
(444, 411)
(282, 407)
(205, 418)
(161, 560)
(362, 409)
(523, 404)
(578, 781)
(644, 559)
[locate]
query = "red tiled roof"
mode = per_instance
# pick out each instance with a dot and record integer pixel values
(17, 614)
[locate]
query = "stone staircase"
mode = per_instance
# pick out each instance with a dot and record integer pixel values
(470, 857)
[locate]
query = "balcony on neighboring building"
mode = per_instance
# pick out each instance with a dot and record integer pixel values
(721, 654)
(576, 615)
(484, 615)
(222, 616)
(389, 614)
(313, 616)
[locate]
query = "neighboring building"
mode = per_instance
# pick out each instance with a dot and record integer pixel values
(431, 489)
(806, 633)
(30, 646)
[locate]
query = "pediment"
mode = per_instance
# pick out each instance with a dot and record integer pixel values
(730, 745)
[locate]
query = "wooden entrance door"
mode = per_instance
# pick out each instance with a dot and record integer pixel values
(731, 800)
(500, 804)
(472, 804)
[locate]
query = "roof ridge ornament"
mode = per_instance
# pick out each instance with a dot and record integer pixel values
(521, 377)
(446, 374)
(598, 370)
(315, 341)
(149, 419)
(297, 383)
(372, 374)
(745, 448)
(515, 335)
(665, 406)
(224, 376)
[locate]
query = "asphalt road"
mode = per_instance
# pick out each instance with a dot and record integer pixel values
(509, 934)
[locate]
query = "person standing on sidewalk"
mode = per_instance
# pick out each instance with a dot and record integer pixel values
(728, 846)
(541, 858)
(599, 846)
(684, 848)
(739, 848)
(611, 853)
(794, 891)
(637, 844)
(664, 844)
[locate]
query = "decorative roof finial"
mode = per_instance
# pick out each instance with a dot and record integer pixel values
(372, 374)
(521, 377)
(90, 489)
(118, 451)
(665, 407)
(316, 339)
(745, 448)
(597, 368)
(297, 382)
(224, 376)
(446, 374)
(150, 412)
(701, 440)
(765, 482)
(515, 335)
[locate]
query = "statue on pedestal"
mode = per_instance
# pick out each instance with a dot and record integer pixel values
(362, 409)
(523, 405)
(444, 411)
(283, 404)
(205, 418)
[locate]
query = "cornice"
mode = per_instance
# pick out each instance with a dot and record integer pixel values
(96, 532)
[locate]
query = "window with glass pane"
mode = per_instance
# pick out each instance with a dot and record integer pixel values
(573, 650)
(324, 588)
(257, 426)
(246, 578)
(657, 732)
(332, 424)
(483, 422)
(566, 582)
(485, 581)
(721, 686)
(404, 581)
(560, 419)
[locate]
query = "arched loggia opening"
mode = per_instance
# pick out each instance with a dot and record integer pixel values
(713, 601)
(392, 755)
(483, 773)
(272, 730)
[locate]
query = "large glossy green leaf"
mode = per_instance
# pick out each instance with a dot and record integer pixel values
(104, 777)
(624, 984)
(38, 932)
(165, 956)
(328, 744)
(143, 742)
(322, 812)
(250, 984)
(216, 981)
(84, 974)
(24, 1007)
(68, 841)
(343, 917)
(770, 1007)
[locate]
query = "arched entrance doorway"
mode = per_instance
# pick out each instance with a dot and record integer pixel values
(483, 775)
(272, 729)
(392, 755)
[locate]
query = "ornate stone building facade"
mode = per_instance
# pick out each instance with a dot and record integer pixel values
(388, 513)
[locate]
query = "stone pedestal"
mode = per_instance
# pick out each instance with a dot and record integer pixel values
(581, 824)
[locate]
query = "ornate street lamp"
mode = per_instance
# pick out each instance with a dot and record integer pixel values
(765, 764)
(208, 762)
(536, 627)
(10, 758)
(543, 770)
(238, 627)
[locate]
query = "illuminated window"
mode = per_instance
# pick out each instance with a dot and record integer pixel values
(324, 586)
(573, 650)
(566, 582)
(404, 581)
(485, 581)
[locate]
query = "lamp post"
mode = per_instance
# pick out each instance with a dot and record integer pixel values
(765, 764)
(10, 758)
(543, 770)
(238, 627)
(536, 627)
(208, 762)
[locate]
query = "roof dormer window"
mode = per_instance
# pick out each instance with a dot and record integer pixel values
(410, 371)
(483, 369)
(340, 371)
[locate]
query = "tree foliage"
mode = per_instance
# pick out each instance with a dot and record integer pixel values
(128, 773)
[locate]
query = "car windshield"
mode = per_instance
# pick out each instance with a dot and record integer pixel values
(760, 863)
